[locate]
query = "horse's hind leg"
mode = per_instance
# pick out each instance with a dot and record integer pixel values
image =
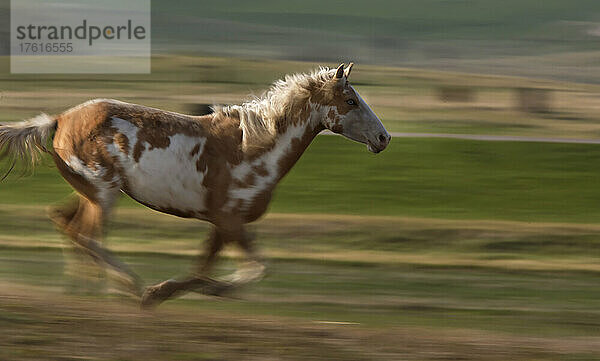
(62, 213)
(84, 230)
(80, 270)
(96, 196)
(82, 221)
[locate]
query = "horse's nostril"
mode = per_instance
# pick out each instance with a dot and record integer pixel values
(382, 138)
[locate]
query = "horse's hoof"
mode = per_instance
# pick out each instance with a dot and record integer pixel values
(149, 301)
(151, 298)
(130, 284)
(157, 294)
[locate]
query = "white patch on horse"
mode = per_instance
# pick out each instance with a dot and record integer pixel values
(95, 177)
(242, 170)
(326, 110)
(163, 177)
(127, 129)
(270, 161)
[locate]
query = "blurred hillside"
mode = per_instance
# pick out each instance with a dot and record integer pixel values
(553, 38)
(550, 39)
(406, 99)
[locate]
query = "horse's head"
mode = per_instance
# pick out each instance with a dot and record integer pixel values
(349, 115)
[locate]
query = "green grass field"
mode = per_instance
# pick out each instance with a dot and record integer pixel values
(436, 178)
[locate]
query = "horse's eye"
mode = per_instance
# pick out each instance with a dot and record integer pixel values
(351, 102)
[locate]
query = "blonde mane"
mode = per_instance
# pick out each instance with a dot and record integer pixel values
(261, 117)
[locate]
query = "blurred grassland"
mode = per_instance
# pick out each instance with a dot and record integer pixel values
(436, 247)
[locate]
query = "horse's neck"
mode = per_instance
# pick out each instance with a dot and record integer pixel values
(292, 141)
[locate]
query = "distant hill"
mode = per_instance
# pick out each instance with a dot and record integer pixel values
(551, 38)
(554, 38)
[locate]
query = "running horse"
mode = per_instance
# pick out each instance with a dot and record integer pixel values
(221, 167)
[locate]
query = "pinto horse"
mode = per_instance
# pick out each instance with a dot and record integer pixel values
(221, 167)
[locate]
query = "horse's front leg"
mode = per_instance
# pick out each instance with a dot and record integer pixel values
(199, 281)
(206, 261)
(251, 271)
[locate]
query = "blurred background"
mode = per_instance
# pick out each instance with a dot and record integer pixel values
(439, 248)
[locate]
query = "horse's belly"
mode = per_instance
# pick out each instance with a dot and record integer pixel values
(166, 185)
(164, 177)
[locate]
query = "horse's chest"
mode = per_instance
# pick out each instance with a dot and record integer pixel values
(252, 184)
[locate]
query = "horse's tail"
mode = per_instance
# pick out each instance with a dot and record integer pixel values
(26, 141)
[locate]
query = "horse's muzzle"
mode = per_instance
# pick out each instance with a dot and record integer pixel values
(382, 142)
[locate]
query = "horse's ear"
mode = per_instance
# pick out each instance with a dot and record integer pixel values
(339, 73)
(348, 70)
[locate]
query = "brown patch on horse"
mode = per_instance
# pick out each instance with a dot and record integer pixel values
(222, 149)
(337, 128)
(151, 137)
(331, 114)
(195, 150)
(238, 183)
(334, 93)
(155, 126)
(122, 142)
(334, 122)
(250, 179)
(201, 164)
(138, 150)
(224, 138)
(259, 205)
(217, 182)
(261, 169)
(261, 201)
(82, 133)
(225, 148)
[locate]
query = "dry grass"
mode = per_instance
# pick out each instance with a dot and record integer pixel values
(307, 236)
(39, 324)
